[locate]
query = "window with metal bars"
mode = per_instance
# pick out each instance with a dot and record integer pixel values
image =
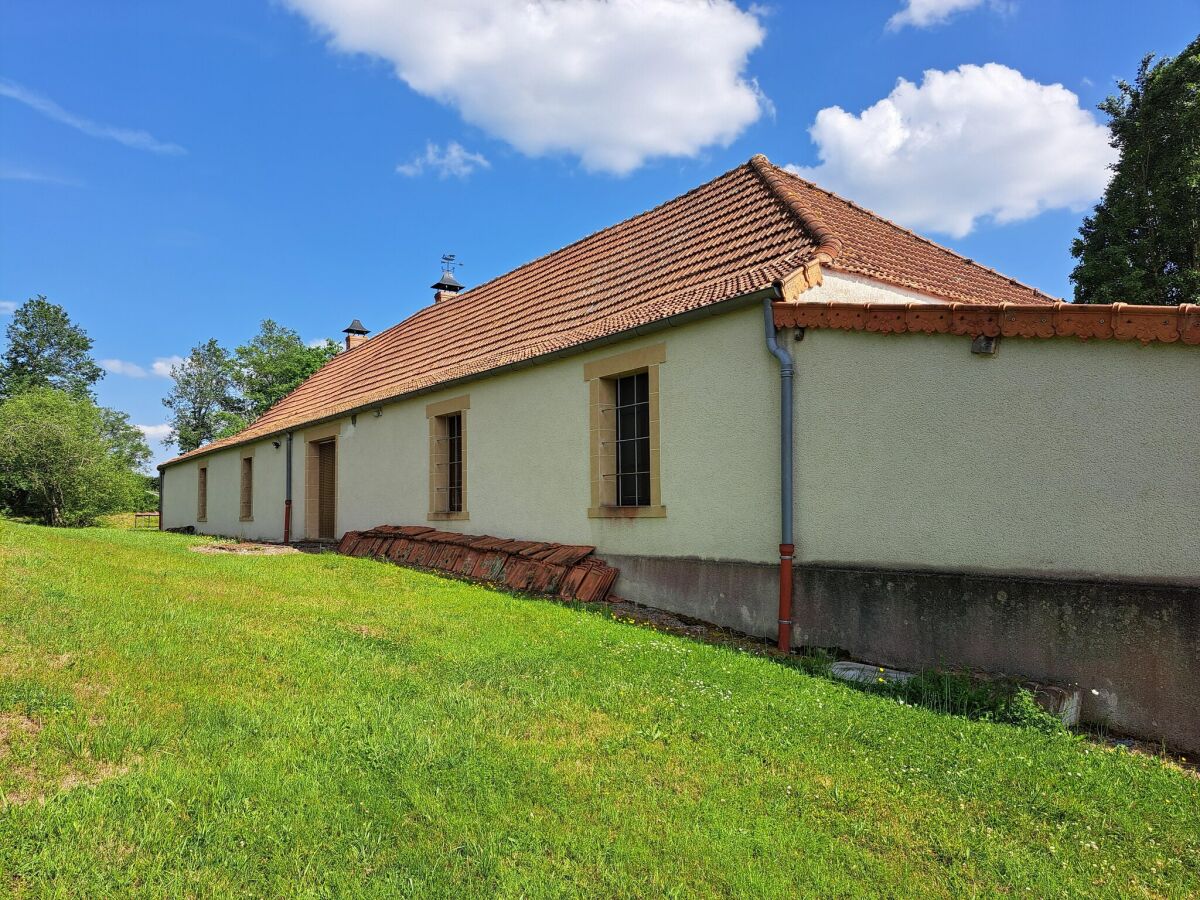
(633, 440)
(454, 493)
(202, 493)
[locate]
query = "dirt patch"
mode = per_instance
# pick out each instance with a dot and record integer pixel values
(13, 724)
(26, 784)
(32, 788)
(367, 631)
(246, 548)
(101, 771)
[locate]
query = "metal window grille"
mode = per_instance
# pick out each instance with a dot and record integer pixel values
(202, 493)
(633, 440)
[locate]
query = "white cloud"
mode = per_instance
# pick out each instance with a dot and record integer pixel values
(924, 13)
(155, 432)
(454, 160)
(975, 142)
(121, 367)
(612, 81)
(7, 307)
(163, 365)
(23, 173)
(139, 140)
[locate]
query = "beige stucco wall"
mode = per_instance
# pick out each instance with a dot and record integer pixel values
(527, 461)
(179, 495)
(1054, 456)
(224, 493)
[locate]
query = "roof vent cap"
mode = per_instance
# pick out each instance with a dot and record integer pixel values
(447, 283)
(356, 333)
(446, 286)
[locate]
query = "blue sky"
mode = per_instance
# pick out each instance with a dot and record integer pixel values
(175, 171)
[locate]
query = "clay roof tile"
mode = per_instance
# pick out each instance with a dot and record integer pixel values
(737, 234)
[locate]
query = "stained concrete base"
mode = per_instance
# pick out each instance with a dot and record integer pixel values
(1131, 650)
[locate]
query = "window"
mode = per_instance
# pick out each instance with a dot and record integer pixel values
(247, 508)
(202, 494)
(633, 440)
(448, 458)
(624, 450)
(454, 463)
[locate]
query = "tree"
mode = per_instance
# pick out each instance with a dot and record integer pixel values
(216, 393)
(204, 401)
(58, 462)
(46, 350)
(1142, 242)
(274, 363)
(126, 441)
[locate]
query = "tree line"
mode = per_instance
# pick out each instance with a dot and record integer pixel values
(218, 392)
(66, 460)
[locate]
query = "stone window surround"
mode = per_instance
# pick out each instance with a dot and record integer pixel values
(436, 414)
(601, 376)
(246, 510)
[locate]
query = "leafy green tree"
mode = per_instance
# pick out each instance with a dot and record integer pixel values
(217, 393)
(1142, 242)
(204, 401)
(127, 441)
(274, 363)
(46, 350)
(229, 423)
(58, 461)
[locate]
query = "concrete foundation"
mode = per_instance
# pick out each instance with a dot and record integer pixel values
(1132, 650)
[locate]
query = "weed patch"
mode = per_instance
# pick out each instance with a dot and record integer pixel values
(959, 694)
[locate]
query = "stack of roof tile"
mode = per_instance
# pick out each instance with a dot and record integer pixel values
(562, 570)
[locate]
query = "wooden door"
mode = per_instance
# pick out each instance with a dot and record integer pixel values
(326, 490)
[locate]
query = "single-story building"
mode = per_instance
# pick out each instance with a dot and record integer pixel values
(774, 410)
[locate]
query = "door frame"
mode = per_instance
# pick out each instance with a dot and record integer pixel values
(313, 438)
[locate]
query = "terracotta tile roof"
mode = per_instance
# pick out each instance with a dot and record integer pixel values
(859, 242)
(739, 233)
(1118, 321)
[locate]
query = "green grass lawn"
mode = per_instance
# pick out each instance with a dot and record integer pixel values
(175, 723)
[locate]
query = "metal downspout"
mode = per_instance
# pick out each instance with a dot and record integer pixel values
(162, 482)
(787, 548)
(287, 502)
